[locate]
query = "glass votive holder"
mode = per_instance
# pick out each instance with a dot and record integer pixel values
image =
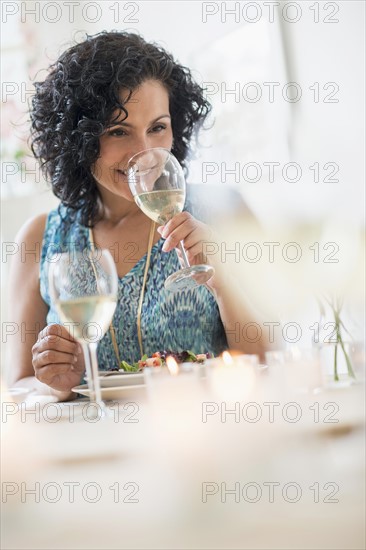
(233, 377)
(178, 385)
(275, 374)
(295, 370)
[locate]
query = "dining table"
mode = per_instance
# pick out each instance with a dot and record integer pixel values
(180, 462)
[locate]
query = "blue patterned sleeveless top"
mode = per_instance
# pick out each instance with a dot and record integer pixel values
(186, 320)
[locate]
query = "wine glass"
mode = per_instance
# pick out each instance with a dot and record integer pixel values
(83, 286)
(157, 183)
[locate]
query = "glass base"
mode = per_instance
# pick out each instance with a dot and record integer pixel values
(98, 410)
(189, 278)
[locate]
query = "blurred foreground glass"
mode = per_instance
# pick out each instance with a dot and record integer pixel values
(83, 286)
(233, 377)
(295, 370)
(157, 183)
(174, 382)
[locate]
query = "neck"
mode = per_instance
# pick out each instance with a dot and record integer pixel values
(115, 209)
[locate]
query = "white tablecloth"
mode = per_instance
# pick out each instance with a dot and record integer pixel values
(158, 476)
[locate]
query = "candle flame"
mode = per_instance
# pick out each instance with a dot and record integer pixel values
(172, 365)
(227, 358)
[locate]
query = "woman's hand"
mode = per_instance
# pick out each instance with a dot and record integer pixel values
(196, 237)
(57, 359)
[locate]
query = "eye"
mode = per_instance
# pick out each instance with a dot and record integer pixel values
(116, 132)
(158, 128)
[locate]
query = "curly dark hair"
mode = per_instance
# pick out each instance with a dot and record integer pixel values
(74, 105)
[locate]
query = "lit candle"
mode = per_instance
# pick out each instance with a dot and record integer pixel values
(170, 383)
(233, 377)
(172, 366)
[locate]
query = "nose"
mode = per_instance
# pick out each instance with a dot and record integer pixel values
(139, 144)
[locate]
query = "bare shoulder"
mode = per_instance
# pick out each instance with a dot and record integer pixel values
(33, 229)
(27, 248)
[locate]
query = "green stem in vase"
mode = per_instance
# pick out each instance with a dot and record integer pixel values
(336, 377)
(338, 323)
(336, 305)
(348, 361)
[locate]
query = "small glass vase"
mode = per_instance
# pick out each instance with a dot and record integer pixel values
(336, 364)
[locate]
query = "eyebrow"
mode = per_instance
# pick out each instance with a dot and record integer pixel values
(122, 123)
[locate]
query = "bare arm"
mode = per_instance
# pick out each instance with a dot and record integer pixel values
(243, 326)
(33, 355)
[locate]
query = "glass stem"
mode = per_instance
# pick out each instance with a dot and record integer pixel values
(184, 254)
(88, 368)
(94, 368)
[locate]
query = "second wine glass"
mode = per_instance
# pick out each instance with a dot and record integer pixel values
(83, 286)
(157, 183)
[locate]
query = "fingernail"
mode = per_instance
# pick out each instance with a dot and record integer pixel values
(75, 359)
(160, 229)
(165, 246)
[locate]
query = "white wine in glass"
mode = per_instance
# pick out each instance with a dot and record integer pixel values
(88, 313)
(161, 205)
(83, 286)
(157, 183)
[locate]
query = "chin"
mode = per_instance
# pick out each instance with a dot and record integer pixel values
(120, 191)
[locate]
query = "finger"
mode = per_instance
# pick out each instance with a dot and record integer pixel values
(181, 233)
(51, 357)
(59, 344)
(196, 240)
(196, 250)
(56, 337)
(55, 331)
(175, 222)
(194, 259)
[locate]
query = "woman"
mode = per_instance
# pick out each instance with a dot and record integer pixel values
(104, 100)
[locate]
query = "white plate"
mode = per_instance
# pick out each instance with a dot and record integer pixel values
(115, 392)
(120, 379)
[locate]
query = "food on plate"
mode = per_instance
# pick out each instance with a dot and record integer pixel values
(158, 359)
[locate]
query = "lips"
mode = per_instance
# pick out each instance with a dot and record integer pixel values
(119, 175)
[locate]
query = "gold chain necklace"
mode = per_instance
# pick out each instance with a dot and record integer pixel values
(142, 292)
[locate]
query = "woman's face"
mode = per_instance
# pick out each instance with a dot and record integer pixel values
(148, 125)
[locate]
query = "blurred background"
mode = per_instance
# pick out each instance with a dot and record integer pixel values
(287, 85)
